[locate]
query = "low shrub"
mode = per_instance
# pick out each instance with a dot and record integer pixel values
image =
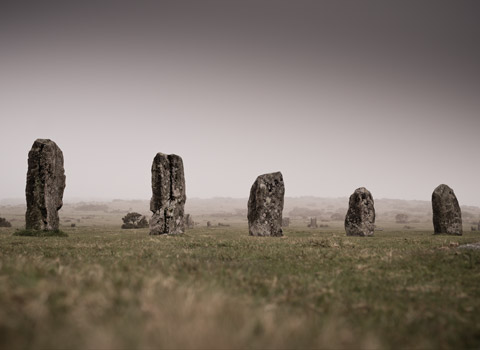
(134, 220)
(5, 223)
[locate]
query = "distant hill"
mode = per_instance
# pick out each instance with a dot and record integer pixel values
(296, 207)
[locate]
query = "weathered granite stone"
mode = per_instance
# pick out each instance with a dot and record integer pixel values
(447, 216)
(168, 195)
(265, 205)
(360, 218)
(45, 185)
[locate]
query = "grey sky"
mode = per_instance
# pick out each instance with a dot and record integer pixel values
(335, 94)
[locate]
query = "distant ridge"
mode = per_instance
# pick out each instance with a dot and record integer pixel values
(305, 206)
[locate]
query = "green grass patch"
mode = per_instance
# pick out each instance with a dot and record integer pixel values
(219, 288)
(40, 233)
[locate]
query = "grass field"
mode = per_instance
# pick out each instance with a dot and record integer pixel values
(102, 287)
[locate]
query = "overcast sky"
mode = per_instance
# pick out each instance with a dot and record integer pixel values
(335, 94)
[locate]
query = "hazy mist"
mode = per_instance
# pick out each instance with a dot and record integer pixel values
(335, 94)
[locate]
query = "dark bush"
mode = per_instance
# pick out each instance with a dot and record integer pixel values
(5, 223)
(134, 220)
(401, 218)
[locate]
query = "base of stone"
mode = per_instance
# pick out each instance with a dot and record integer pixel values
(448, 233)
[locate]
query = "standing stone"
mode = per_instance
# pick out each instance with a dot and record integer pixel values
(189, 223)
(447, 216)
(360, 218)
(45, 185)
(265, 205)
(209, 224)
(168, 195)
(313, 223)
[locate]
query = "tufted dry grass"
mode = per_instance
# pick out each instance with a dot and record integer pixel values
(102, 287)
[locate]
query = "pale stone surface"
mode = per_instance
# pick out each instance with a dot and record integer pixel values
(447, 216)
(168, 195)
(45, 185)
(474, 246)
(360, 218)
(265, 205)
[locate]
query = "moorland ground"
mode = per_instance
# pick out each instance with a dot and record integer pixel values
(103, 287)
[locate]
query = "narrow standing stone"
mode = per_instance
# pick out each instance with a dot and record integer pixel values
(360, 218)
(189, 223)
(447, 216)
(265, 205)
(45, 186)
(168, 195)
(313, 223)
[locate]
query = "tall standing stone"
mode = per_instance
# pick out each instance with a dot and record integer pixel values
(360, 218)
(168, 195)
(45, 185)
(447, 216)
(265, 205)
